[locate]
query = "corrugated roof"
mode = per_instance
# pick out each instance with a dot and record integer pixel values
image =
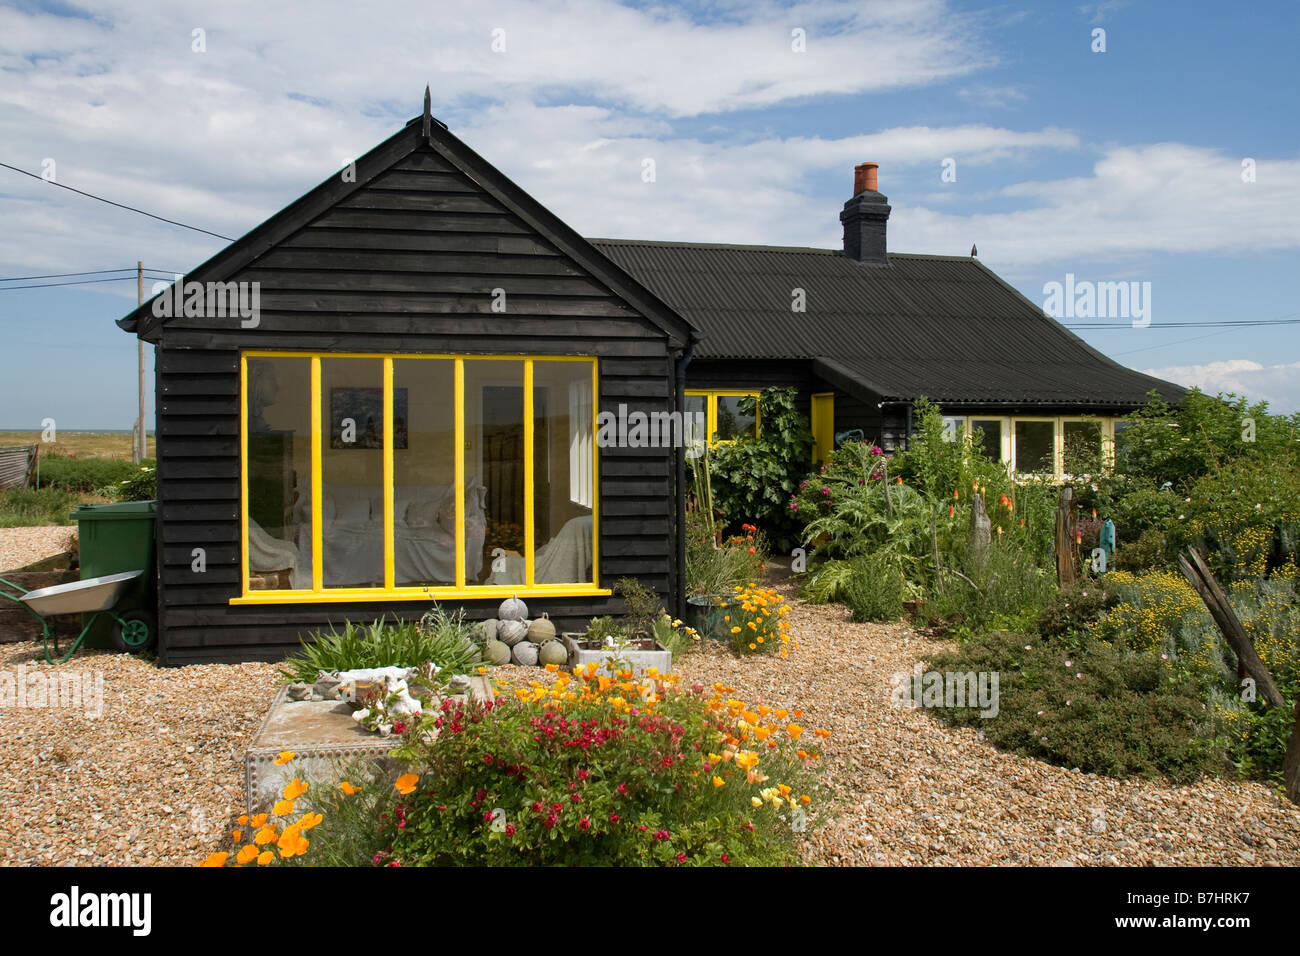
(942, 326)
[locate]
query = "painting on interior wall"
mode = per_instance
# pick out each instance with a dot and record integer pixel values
(358, 414)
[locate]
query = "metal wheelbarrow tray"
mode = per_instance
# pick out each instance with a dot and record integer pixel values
(80, 597)
(92, 596)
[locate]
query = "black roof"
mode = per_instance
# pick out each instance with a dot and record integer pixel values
(945, 327)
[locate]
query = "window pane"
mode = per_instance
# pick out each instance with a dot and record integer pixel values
(352, 471)
(1082, 448)
(494, 468)
(1122, 444)
(279, 473)
(1036, 447)
(732, 421)
(986, 435)
(563, 472)
(424, 496)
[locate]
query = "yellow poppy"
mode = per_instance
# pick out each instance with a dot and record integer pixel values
(247, 854)
(216, 859)
(283, 808)
(258, 821)
(405, 784)
(285, 757)
(718, 781)
(348, 788)
(266, 857)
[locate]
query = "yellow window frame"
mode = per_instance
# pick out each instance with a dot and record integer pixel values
(390, 592)
(711, 397)
(1106, 425)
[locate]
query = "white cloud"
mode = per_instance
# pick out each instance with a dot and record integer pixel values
(1279, 385)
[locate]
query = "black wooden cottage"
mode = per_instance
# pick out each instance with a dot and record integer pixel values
(396, 390)
(406, 414)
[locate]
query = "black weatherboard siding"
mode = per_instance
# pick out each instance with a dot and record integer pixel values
(403, 260)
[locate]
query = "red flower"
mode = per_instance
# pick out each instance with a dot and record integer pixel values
(622, 788)
(399, 727)
(487, 758)
(661, 835)
(487, 817)
(576, 797)
(725, 858)
(557, 806)
(681, 857)
(537, 806)
(510, 831)
(613, 818)
(585, 823)
(582, 774)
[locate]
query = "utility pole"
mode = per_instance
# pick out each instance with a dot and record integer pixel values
(140, 451)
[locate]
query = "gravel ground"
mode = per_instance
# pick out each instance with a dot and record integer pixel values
(157, 777)
(22, 546)
(153, 780)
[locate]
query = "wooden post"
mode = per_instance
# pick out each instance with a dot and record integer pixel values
(1291, 765)
(1194, 568)
(981, 532)
(138, 453)
(1067, 565)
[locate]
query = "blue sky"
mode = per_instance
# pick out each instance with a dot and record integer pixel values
(1123, 165)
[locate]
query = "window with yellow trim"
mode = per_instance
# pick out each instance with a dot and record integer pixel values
(727, 413)
(412, 477)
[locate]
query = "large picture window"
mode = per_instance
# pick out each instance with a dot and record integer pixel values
(417, 477)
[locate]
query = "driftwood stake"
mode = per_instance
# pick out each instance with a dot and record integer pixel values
(1194, 568)
(1067, 566)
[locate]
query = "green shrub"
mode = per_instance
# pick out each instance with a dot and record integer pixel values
(1073, 612)
(753, 477)
(604, 779)
(1127, 714)
(713, 568)
(1007, 591)
(141, 486)
(438, 637)
(30, 507)
(84, 475)
(1150, 552)
(876, 589)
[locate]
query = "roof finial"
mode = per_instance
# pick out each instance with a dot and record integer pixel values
(428, 113)
(973, 251)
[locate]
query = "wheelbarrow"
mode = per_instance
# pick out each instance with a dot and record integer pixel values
(133, 632)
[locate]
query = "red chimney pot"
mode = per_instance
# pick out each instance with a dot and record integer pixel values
(864, 177)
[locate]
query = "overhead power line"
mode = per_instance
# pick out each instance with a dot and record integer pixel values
(1225, 324)
(90, 272)
(119, 205)
(49, 285)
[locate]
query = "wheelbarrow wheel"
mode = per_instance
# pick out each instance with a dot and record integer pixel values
(135, 632)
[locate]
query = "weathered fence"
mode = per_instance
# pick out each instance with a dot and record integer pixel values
(17, 465)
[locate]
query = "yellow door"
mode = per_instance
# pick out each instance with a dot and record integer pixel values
(823, 425)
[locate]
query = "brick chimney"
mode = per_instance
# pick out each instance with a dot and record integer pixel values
(864, 218)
